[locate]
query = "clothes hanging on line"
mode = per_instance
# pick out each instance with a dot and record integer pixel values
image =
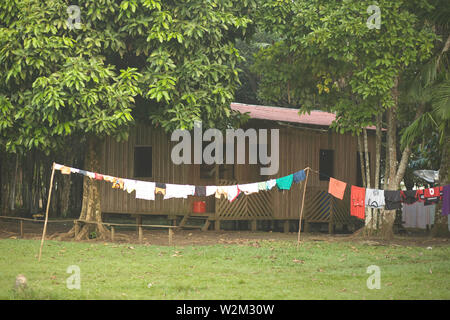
(210, 190)
(393, 199)
(374, 198)
(262, 186)
(107, 178)
(221, 191)
(179, 191)
(145, 190)
(160, 188)
(409, 196)
(248, 188)
(446, 200)
(200, 191)
(65, 170)
(233, 192)
(432, 195)
(129, 185)
(230, 192)
(299, 176)
(357, 202)
(270, 184)
(118, 184)
(417, 215)
(337, 188)
(285, 183)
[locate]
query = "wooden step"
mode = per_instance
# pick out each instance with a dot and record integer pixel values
(191, 227)
(197, 218)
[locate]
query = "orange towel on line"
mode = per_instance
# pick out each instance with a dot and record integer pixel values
(337, 188)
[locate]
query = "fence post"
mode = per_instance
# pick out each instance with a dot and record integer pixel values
(21, 228)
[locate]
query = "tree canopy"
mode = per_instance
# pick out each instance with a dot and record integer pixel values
(329, 50)
(167, 61)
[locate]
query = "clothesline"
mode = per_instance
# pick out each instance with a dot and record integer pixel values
(147, 190)
(360, 197)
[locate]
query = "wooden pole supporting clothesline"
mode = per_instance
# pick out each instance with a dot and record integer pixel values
(46, 211)
(301, 210)
(170, 230)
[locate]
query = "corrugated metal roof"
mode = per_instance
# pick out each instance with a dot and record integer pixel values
(316, 117)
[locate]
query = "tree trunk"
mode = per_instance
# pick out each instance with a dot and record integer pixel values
(388, 220)
(14, 182)
(91, 206)
(378, 150)
(440, 227)
(396, 170)
(378, 137)
(369, 221)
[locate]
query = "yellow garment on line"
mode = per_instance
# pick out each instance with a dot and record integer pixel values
(109, 179)
(160, 190)
(221, 191)
(65, 170)
(118, 184)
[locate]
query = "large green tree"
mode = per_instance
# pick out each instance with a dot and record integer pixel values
(171, 62)
(428, 84)
(359, 63)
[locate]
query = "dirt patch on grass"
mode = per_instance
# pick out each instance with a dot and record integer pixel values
(187, 237)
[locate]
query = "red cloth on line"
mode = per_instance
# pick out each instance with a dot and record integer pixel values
(98, 176)
(432, 192)
(337, 188)
(357, 202)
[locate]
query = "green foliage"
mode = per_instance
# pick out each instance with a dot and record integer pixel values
(353, 67)
(428, 84)
(54, 81)
(176, 58)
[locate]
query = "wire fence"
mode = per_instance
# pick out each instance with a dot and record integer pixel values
(78, 222)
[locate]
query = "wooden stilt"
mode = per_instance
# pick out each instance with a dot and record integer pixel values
(253, 225)
(21, 228)
(170, 236)
(303, 205)
(112, 233)
(138, 222)
(217, 225)
(141, 234)
(77, 227)
(46, 211)
(286, 226)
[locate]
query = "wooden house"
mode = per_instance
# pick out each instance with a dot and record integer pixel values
(304, 141)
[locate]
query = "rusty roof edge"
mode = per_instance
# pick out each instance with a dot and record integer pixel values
(290, 109)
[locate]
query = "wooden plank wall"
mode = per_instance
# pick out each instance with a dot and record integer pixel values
(117, 160)
(299, 148)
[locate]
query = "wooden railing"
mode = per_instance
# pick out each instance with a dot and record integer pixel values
(255, 206)
(320, 206)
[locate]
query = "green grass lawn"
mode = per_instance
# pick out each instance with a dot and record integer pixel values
(268, 270)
